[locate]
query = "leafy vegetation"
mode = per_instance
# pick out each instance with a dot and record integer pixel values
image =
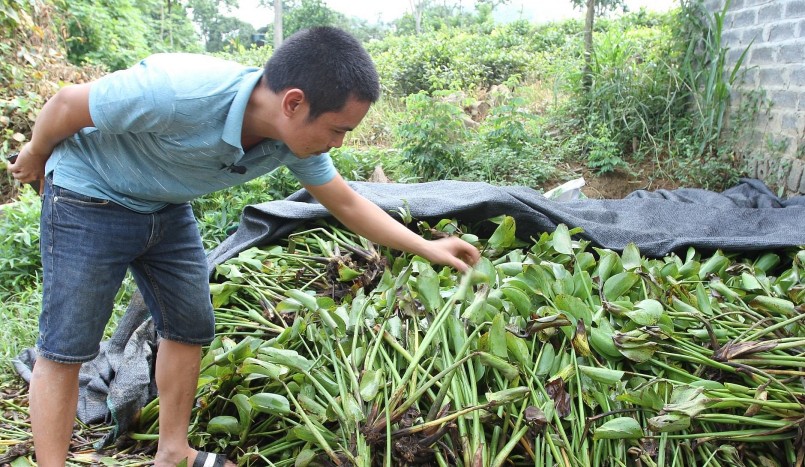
(329, 350)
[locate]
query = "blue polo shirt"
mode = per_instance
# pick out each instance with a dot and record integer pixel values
(169, 130)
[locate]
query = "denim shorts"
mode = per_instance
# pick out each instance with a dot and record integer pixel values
(87, 244)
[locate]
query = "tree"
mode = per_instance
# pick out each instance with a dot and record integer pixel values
(112, 33)
(277, 24)
(169, 26)
(117, 33)
(426, 15)
(310, 13)
(279, 18)
(417, 9)
(594, 7)
(296, 15)
(211, 21)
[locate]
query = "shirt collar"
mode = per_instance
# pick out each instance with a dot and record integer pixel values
(234, 119)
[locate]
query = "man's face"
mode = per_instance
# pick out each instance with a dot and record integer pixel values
(307, 138)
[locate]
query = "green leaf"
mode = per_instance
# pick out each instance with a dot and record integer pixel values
(518, 349)
(507, 396)
(608, 264)
(230, 271)
(601, 340)
(352, 409)
(750, 282)
(504, 235)
(370, 385)
(510, 268)
(310, 405)
(714, 265)
(506, 369)
(635, 345)
(645, 397)
(574, 307)
(253, 368)
(224, 424)
(307, 300)
(273, 404)
(427, 284)
(477, 311)
(687, 400)
(646, 312)
(287, 357)
(497, 337)
(221, 293)
(619, 428)
(485, 267)
(561, 240)
(602, 375)
(668, 423)
(244, 407)
(305, 458)
(776, 305)
(346, 273)
(631, 257)
(546, 359)
(619, 284)
(519, 299)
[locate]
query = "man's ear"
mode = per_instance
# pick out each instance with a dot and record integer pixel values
(292, 102)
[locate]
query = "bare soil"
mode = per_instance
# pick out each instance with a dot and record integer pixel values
(617, 184)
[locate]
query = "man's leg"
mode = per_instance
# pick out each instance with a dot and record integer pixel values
(173, 278)
(54, 398)
(81, 273)
(177, 377)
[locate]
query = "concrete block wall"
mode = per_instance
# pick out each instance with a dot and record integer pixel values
(775, 64)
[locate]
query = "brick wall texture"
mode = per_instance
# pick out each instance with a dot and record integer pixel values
(775, 66)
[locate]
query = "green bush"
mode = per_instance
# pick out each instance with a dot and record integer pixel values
(432, 136)
(20, 262)
(250, 56)
(603, 153)
(627, 109)
(357, 164)
(511, 148)
(448, 59)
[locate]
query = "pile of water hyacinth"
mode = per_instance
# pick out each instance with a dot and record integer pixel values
(549, 353)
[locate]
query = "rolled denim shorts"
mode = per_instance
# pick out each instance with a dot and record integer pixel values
(87, 244)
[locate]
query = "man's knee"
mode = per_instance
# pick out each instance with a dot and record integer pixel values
(49, 370)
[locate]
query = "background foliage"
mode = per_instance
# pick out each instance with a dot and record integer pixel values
(464, 97)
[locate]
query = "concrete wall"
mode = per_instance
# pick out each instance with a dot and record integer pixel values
(775, 63)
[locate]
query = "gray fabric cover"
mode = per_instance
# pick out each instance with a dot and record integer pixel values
(748, 217)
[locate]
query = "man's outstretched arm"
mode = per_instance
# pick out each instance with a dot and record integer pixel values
(367, 220)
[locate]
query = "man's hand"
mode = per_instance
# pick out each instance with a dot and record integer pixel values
(453, 252)
(61, 117)
(27, 167)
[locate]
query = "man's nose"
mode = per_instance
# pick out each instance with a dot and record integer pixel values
(337, 142)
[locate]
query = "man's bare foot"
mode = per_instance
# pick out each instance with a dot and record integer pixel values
(194, 459)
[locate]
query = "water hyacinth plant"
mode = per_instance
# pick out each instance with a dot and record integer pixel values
(550, 352)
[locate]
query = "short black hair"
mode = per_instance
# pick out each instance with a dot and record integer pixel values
(328, 64)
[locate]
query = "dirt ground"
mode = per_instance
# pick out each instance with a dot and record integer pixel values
(618, 184)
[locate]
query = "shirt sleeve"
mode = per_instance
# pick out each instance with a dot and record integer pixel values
(137, 100)
(315, 170)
